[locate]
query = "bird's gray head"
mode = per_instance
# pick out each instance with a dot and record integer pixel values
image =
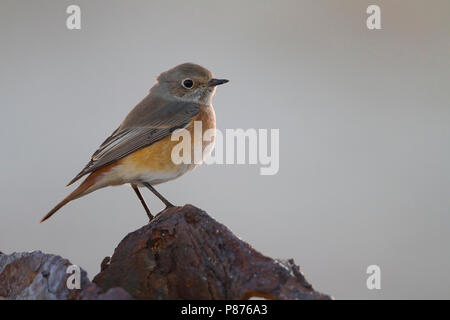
(187, 82)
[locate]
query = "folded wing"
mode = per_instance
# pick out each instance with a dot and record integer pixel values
(154, 126)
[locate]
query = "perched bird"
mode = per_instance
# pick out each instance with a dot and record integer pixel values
(139, 151)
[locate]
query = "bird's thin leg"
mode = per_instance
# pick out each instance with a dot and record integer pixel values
(166, 202)
(139, 195)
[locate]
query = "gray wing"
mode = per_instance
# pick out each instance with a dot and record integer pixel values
(156, 126)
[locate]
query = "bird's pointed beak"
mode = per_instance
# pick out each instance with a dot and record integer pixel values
(215, 82)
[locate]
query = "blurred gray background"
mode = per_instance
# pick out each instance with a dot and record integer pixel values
(364, 121)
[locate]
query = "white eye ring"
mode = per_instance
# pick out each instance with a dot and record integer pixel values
(187, 83)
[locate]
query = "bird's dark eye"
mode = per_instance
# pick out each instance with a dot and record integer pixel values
(187, 83)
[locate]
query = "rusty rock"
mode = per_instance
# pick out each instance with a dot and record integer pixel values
(185, 254)
(38, 276)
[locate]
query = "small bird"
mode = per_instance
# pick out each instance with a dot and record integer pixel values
(139, 151)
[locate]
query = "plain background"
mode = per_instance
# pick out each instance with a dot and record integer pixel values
(364, 122)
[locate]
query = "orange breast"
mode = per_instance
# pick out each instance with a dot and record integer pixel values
(157, 157)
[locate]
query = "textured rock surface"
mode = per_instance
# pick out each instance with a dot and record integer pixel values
(185, 254)
(182, 254)
(35, 275)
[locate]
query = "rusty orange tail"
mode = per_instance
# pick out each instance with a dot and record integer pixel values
(78, 192)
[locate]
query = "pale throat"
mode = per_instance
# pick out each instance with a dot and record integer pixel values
(200, 96)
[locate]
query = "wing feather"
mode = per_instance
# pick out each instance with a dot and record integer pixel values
(123, 141)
